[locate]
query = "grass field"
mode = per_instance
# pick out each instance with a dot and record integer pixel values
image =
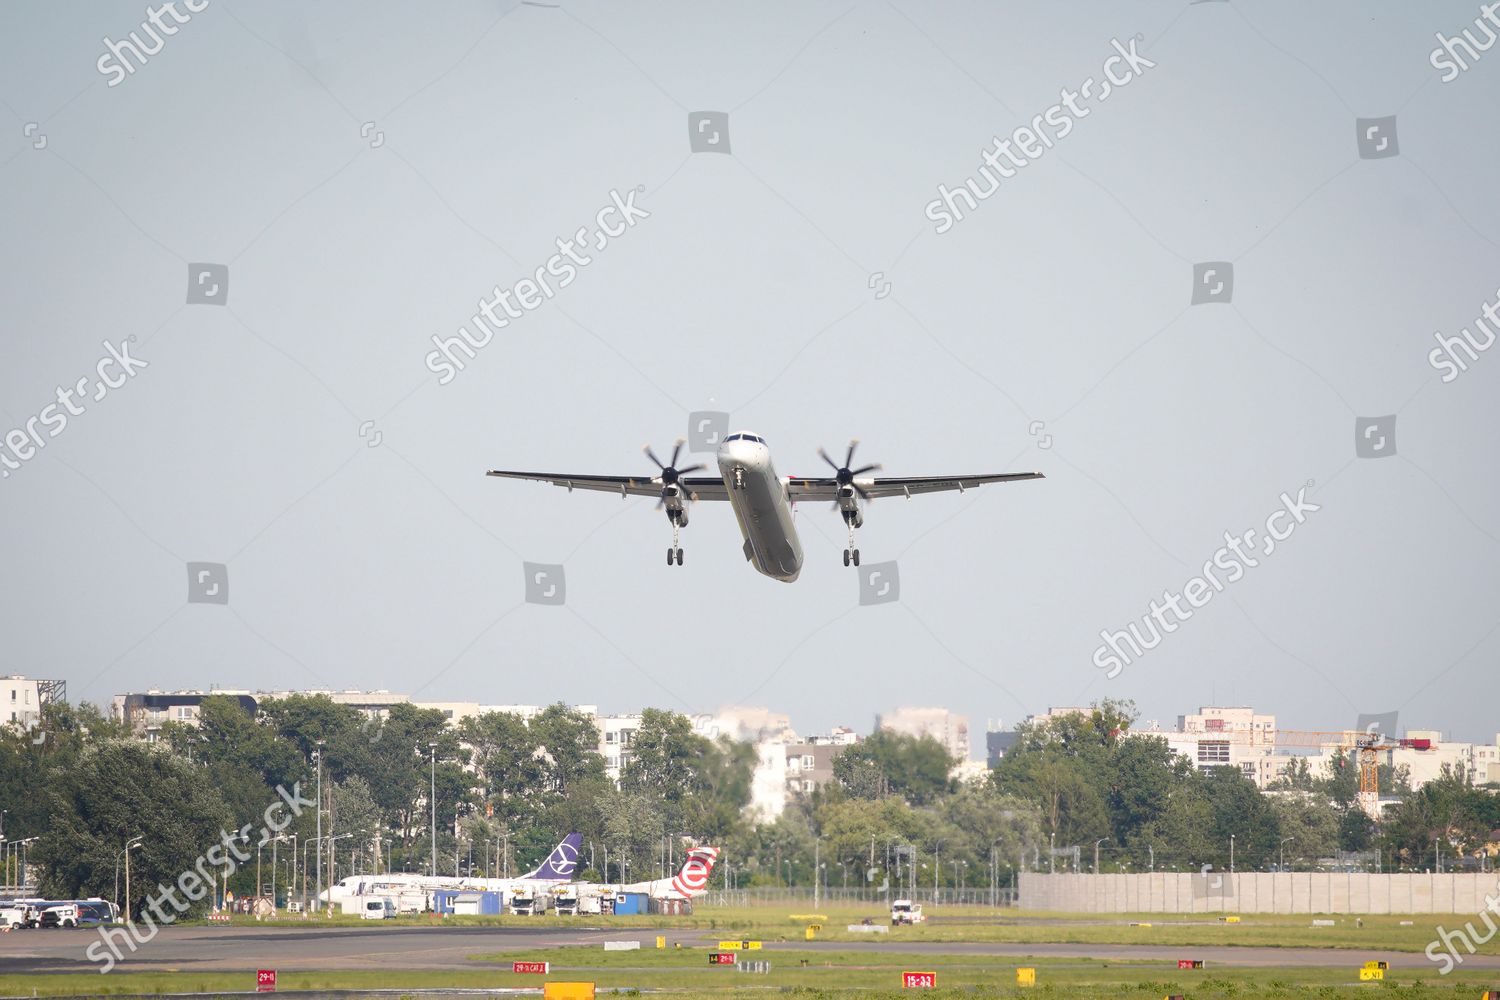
(685, 974)
(975, 924)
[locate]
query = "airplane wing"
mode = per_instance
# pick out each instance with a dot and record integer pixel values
(701, 487)
(887, 486)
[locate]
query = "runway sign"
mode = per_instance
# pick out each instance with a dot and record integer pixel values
(1026, 977)
(739, 946)
(721, 958)
(531, 968)
(265, 980)
(918, 980)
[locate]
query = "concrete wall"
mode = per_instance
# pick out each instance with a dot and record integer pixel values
(1258, 892)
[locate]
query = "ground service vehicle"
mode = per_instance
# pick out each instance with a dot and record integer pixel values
(904, 911)
(381, 908)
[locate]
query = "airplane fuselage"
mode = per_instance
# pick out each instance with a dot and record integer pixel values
(760, 503)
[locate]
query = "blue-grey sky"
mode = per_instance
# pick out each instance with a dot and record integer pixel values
(366, 172)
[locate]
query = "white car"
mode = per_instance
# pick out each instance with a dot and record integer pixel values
(904, 911)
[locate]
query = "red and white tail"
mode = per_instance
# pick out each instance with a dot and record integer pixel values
(692, 879)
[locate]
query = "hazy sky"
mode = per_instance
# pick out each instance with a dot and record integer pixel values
(366, 172)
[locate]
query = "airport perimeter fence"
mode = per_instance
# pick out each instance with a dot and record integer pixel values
(1260, 892)
(835, 896)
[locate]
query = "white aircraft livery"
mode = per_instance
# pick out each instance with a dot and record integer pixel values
(689, 881)
(557, 868)
(763, 502)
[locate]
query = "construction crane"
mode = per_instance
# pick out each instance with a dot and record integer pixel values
(1366, 745)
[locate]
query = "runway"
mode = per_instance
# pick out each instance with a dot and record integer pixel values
(337, 948)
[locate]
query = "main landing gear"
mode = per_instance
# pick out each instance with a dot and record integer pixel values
(851, 554)
(674, 554)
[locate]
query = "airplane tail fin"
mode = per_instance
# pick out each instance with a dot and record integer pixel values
(692, 878)
(561, 863)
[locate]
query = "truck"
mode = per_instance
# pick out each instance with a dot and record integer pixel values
(530, 905)
(904, 911)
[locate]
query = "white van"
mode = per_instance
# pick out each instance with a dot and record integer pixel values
(380, 908)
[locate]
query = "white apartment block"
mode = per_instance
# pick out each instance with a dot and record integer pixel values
(20, 701)
(616, 734)
(948, 728)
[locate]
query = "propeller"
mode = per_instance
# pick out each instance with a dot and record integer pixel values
(844, 475)
(670, 474)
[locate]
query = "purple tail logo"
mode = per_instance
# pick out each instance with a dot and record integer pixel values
(562, 862)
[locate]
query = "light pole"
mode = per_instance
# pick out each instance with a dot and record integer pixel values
(1283, 851)
(332, 871)
(1052, 856)
(318, 884)
(130, 845)
(817, 858)
(936, 868)
(432, 752)
(1151, 849)
(1231, 854)
(306, 844)
(1096, 853)
(292, 882)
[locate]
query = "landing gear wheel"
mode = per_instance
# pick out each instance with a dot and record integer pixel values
(846, 557)
(856, 557)
(679, 557)
(669, 557)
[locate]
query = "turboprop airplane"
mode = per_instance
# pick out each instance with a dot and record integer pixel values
(762, 501)
(557, 868)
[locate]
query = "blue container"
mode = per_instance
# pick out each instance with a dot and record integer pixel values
(632, 903)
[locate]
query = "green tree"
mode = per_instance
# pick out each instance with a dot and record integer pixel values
(120, 789)
(886, 763)
(1310, 822)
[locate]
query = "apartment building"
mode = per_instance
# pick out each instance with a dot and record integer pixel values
(948, 728)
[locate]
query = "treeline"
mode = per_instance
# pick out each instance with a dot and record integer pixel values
(1094, 780)
(505, 790)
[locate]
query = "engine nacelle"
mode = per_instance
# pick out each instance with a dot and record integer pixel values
(672, 498)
